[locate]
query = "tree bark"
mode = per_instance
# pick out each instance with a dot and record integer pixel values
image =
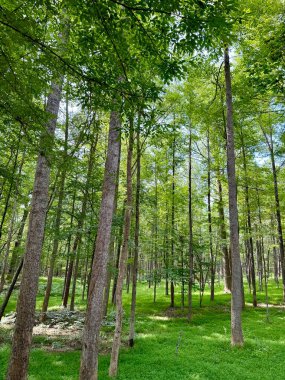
(236, 304)
(89, 357)
(57, 218)
(31, 268)
(113, 369)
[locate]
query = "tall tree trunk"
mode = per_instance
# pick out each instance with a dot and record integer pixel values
(81, 220)
(223, 234)
(155, 272)
(250, 240)
(55, 246)
(278, 218)
(69, 260)
(75, 274)
(260, 245)
(270, 144)
(11, 288)
(111, 248)
(31, 268)
(113, 369)
(136, 249)
(119, 246)
(172, 224)
(236, 304)
(90, 347)
(58, 216)
(7, 249)
(7, 202)
(212, 268)
(190, 217)
(15, 251)
(182, 273)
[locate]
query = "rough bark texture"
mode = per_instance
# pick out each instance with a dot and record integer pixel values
(90, 347)
(236, 304)
(31, 268)
(113, 369)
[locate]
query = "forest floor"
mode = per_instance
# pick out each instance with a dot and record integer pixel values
(167, 347)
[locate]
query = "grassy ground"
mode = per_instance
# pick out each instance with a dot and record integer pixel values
(168, 348)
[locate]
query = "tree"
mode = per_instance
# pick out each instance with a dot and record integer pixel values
(236, 308)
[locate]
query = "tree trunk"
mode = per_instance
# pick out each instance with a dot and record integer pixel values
(81, 220)
(136, 249)
(75, 273)
(69, 261)
(191, 256)
(223, 234)
(11, 288)
(278, 218)
(113, 369)
(15, 251)
(155, 272)
(250, 240)
(236, 304)
(119, 246)
(7, 249)
(172, 224)
(212, 267)
(89, 357)
(22, 338)
(7, 202)
(57, 218)
(111, 249)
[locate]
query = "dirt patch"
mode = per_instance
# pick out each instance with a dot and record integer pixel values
(175, 312)
(60, 331)
(270, 305)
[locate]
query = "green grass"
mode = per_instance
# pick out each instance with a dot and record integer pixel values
(168, 348)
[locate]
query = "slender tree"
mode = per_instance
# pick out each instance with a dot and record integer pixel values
(236, 305)
(113, 369)
(31, 267)
(90, 347)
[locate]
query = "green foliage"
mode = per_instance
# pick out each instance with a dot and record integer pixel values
(203, 352)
